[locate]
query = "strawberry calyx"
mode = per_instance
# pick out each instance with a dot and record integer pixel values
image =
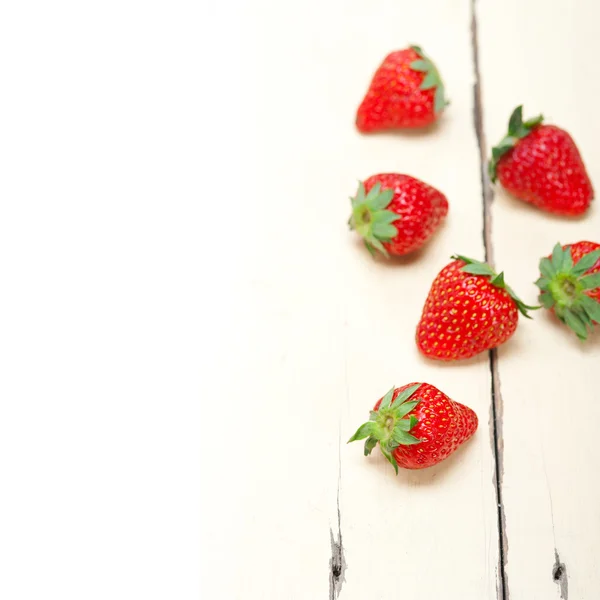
(431, 80)
(517, 130)
(370, 218)
(475, 267)
(390, 424)
(564, 285)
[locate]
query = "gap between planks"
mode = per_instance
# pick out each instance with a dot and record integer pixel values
(337, 563)
(496, 404)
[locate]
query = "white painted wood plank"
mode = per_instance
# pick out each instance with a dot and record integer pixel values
(543, 54)
(433, 533)
(189, 310)
(320, 329)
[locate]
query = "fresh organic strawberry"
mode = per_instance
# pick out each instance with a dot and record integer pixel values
(417, 426)
(542, 165)
(396, 214)
(406, 91)
(469, 310)
(570, 285)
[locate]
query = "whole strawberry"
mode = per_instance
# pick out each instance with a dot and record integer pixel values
(570, 285)
(542, 165)
(396, 214)
(405, 92)
(417, 426)
(469, 310)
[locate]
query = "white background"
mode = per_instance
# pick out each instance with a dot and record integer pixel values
(188, 332)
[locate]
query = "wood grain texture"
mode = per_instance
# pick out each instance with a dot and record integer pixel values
(550, 403)
(322, 330)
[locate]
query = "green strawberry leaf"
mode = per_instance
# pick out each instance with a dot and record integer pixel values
(590, 282)
(369, 445)
(373, 193)
(476, 267)
(547, 268)
(384, 216)
(564, 284)
(587, 261)
(360, 195)
(432, 79)
(387, 399)
(379, 201)
(404, 395)
(517, 130)
(374, 244)
(405, 408)
(384, 231)
(576, 324)
(420, 65)
(371, 249)
(387, 425)
(591, 308)
(371, 218)
(557, 257)
(582, 314)
(362, 432)
(404, 438)
(516, 121)
(439, 101)
(533, 122)
(390, 458)
(546, 300)
(403, 424)
(498, 281)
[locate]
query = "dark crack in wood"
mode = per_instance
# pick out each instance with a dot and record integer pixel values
(337, 562)
(486, 188)
(496, 407)
(497, 438)
(559, 576)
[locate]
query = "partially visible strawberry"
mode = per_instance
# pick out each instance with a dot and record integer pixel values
(570, 285)
(469, 310)
(542, 165)
(417, 426)
(396, 214)
(405, 92)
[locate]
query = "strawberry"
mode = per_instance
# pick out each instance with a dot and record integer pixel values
(542, 165)
(469, 309)
(406, 91)
(396, 214)
(570, 285)
(417, 426)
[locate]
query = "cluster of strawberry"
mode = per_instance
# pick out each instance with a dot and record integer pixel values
(470, 309)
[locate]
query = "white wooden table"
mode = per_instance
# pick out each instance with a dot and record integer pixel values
(194, 333)
(323, 329)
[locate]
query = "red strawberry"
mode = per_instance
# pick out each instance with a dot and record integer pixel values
(469, 309)
(406, 91)
(417, 426)
(396, 214)
(570, 285)
(542, 165)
